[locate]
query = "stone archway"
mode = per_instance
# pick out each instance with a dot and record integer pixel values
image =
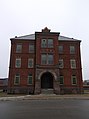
(47, 80)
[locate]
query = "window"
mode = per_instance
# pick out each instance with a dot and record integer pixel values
(50, 43)
(44, 59)
(74, 79)
(73, 63)
(44, 43)
(18, 48)
(47, 59)
(30, 63)
(50, 59)
(61, 79)
(60, 48)
(31, 48)
(61, 64)
(17, 79)
(47, 43)
(29, 79)
(18, 63)
(72, 49)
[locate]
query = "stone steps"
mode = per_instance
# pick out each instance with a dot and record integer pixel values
(47, 91)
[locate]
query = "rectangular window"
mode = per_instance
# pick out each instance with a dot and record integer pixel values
(50, 43)
(31, 48)
(17, 79)
(18, 63)
(18, 48)
(47, 59)
(74, 80)
(61, 63)
(30, 63)
(61, 79)
(44, 43)
(73, 63)
(72, 49)
(29, 79)
(44, 59)
(50, 59)
(60, 48)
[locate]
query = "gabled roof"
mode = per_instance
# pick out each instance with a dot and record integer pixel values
(63, 38)
(32, 37)
(26, 37)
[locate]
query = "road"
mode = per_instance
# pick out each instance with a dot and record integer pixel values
(45, 109)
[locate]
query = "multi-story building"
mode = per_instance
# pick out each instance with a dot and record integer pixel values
(3, 84)
(45, 60)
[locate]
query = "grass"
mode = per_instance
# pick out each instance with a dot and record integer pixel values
(4, 94)
(86, 94)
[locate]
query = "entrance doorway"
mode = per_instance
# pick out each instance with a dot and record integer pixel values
(47, 81)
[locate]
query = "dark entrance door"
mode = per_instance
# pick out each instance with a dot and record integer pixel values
(47, 81)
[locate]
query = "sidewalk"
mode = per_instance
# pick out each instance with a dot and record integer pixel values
(46, 97)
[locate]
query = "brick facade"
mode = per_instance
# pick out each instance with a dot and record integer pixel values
(48, 74)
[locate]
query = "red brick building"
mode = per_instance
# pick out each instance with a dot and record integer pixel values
(45, 60)
(3, 84)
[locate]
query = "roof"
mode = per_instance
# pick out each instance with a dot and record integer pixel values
(63, 38)
(3, 78)
(32, 37)
(26, 37)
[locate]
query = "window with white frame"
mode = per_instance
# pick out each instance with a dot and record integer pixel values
(17, 79)
(30, 63)
(31, 48)
(74, 79)
(73, 63)
(18, 48)
(50, 43)
(61, 79)
(47, 59)
(60, 49)
(43, 59)
(50, 59)
(18, 63)
(29, 82)
(61, 63)
(72, 49)
(44, 43)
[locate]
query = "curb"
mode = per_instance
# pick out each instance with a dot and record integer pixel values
(44, 97)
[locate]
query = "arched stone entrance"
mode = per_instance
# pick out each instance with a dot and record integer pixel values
(47, 80)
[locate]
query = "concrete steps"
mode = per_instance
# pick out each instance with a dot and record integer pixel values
(47, 91)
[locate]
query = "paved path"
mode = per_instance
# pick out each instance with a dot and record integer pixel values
(45, 97)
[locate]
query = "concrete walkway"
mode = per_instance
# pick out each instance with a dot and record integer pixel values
(46, 97)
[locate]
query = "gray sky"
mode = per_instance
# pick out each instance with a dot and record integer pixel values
(23, 17)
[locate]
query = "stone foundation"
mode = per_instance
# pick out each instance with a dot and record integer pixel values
(71, 90)
(20, 90)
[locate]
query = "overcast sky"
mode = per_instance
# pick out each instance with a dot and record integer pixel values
(23, 17)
